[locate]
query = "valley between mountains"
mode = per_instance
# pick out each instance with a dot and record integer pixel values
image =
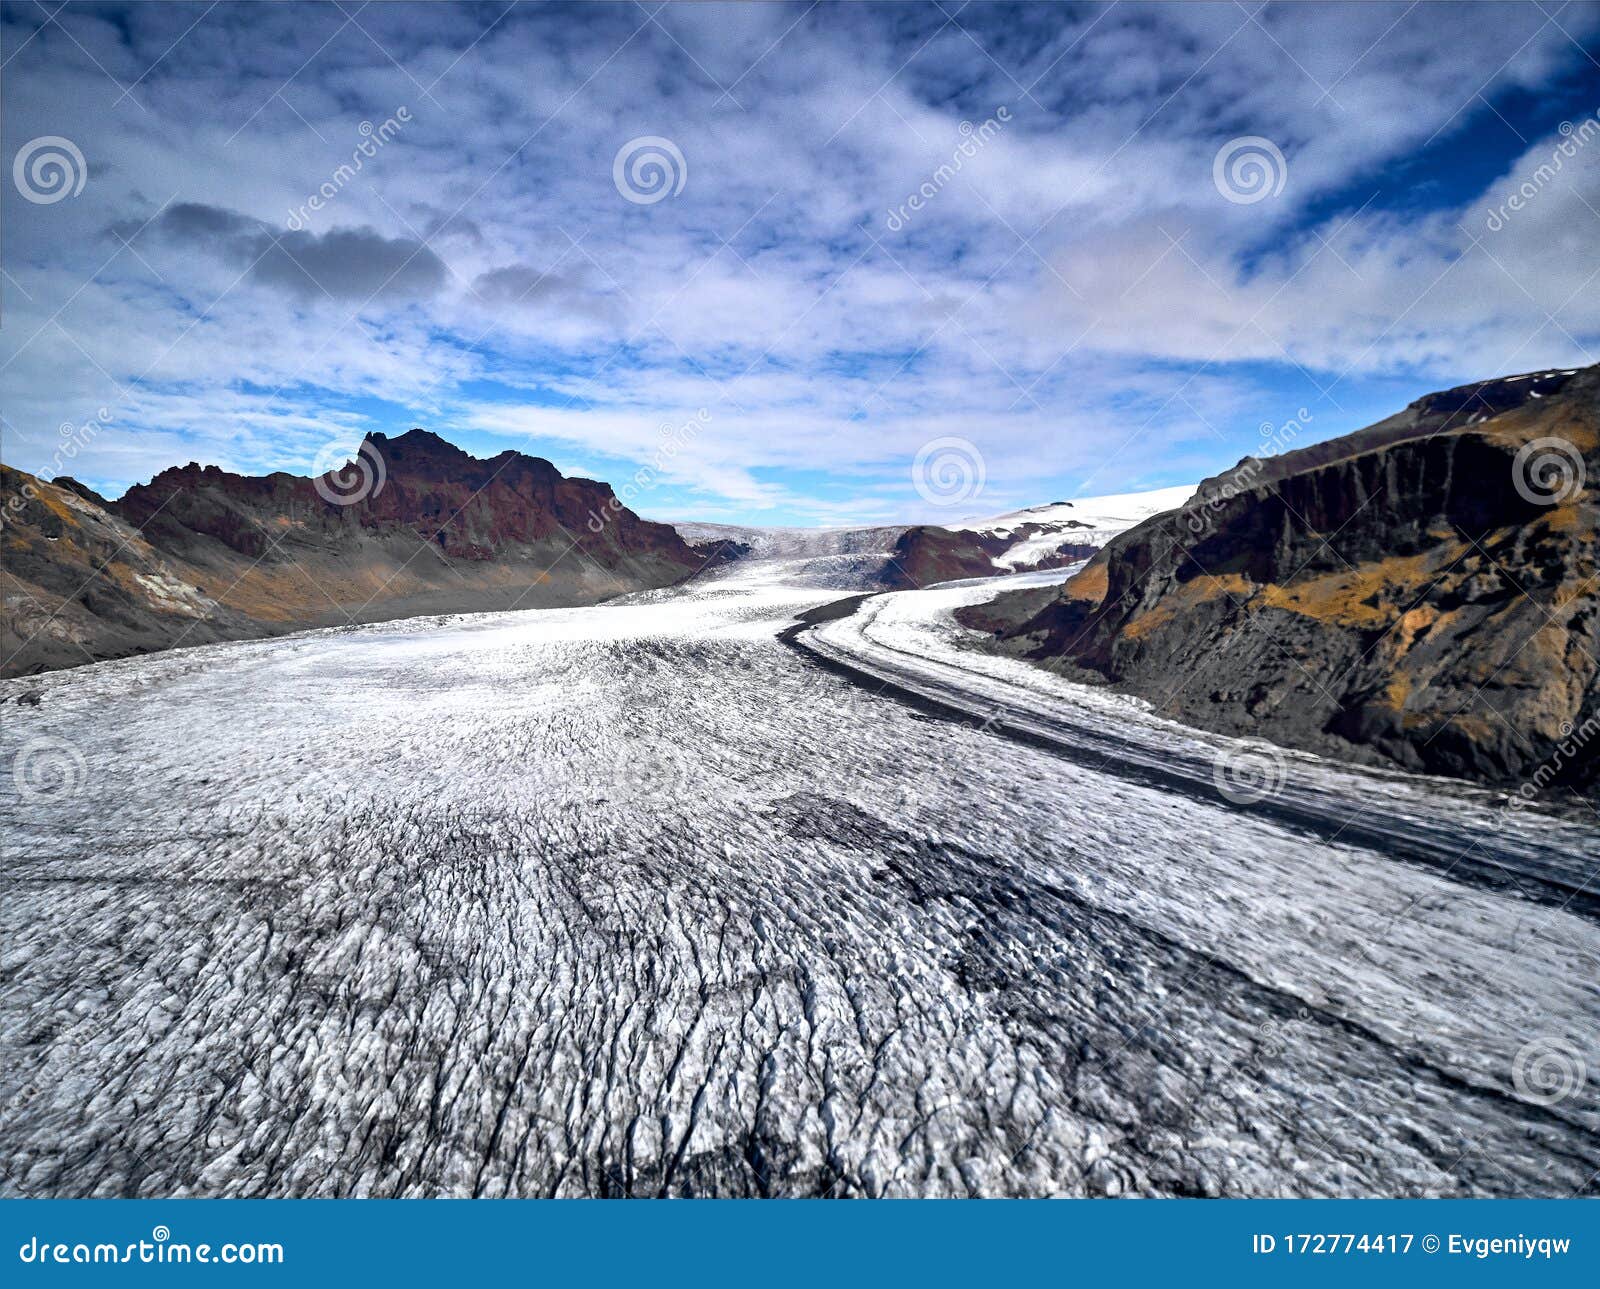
(774, 880)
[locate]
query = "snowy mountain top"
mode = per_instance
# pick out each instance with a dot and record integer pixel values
(1037, 536)
(1116, 512)
(779, 543)
(1112, 513)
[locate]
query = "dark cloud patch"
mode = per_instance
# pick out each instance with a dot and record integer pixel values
(522, 286)
(192, 221)
(435, 222)
(344, 264)
(351, 264)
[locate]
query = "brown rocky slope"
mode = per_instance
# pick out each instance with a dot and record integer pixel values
(413, 526)
(926, 555)
(1423, 593)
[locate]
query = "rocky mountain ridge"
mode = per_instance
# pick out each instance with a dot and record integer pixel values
(412, 525)
(1422, 593)
(901, 557)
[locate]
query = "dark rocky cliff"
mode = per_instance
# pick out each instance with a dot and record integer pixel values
(1422, 593)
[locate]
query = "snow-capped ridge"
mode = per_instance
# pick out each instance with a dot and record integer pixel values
(1120, 511)
(1036, 537)
(1039, 533)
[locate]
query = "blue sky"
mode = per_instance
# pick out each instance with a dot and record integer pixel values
(1078, 292)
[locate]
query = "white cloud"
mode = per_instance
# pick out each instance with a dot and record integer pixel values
(1078, 300)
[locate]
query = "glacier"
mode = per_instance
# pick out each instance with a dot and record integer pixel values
(640, 899)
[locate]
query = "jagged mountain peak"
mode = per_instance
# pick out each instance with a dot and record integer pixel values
(201, 553)
(419, 443)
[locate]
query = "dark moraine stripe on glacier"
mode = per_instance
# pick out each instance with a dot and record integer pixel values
(1471, 857)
